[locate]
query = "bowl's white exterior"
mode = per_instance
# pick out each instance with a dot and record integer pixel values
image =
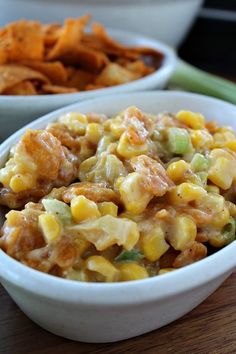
(17, 111)
(167, 20)
(94, 312)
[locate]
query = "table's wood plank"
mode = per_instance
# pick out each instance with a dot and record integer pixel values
(210, 328)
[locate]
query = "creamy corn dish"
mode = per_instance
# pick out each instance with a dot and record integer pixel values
(130, 197)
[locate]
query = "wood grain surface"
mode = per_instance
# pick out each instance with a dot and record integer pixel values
(210, 328)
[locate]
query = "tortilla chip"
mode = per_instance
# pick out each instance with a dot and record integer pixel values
(51, 33)
(88, 59)
(11, 75)
(139, 67)
(79, 78)
(57, 89)
(55, 71)
(22, 40)
(70, 37)
(99, 30)
(114, 74)
(24, 88)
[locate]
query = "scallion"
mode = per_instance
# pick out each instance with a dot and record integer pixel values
(179, 140)
(199, 163)
(192, 79)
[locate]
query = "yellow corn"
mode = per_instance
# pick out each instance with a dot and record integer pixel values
(83, 208)
(222, 218)
(220, 139)
(183, 231)
(21, 182)
(231, 145)
(201, 139)
(75, 121)
(165, 270)
(127, 150)
(13, 217)
(94, 132)
(50, 227)
(79, 275)
(116, 127)
(153, 244)
(102, 266)
(108, 208)
(6, 175)
(134, 197)
(221, 172)
(191, 119)
(131, 271)
(185, 193)
(176, 170)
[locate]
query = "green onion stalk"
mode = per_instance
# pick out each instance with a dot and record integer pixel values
(189, 78)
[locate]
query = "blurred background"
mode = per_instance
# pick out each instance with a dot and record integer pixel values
(210, 44)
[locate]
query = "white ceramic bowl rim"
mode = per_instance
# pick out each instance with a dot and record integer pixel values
(133, 292)
(167, 66)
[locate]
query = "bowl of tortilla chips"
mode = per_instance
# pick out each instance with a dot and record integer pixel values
(46, 66)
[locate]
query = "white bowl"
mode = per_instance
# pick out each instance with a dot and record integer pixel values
(16, 111)
(167, 20)
(107, 312)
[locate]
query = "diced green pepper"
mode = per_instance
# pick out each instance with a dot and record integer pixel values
(199, 163)
(179, 140)
(129, 256)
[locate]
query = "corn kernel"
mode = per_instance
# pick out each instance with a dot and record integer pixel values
(131, 271)
(21, 182)
(116, 127)
(185, 193)
(79, 275)
(108, 208)
(153, 244)
(13, 217)
(183, 231)
(83, 208)
(222, 218)
(221, 139)
(201, 139)
(50, 226)
(132, 195)
(191, 119)
(165, 270)
(176, 170)
(221, 173)
(102, 266)
(5, 176)
(94, 132)
(128, 150)
(75, 121)
(231, 145)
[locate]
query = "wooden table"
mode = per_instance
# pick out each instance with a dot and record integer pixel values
(210, 328)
